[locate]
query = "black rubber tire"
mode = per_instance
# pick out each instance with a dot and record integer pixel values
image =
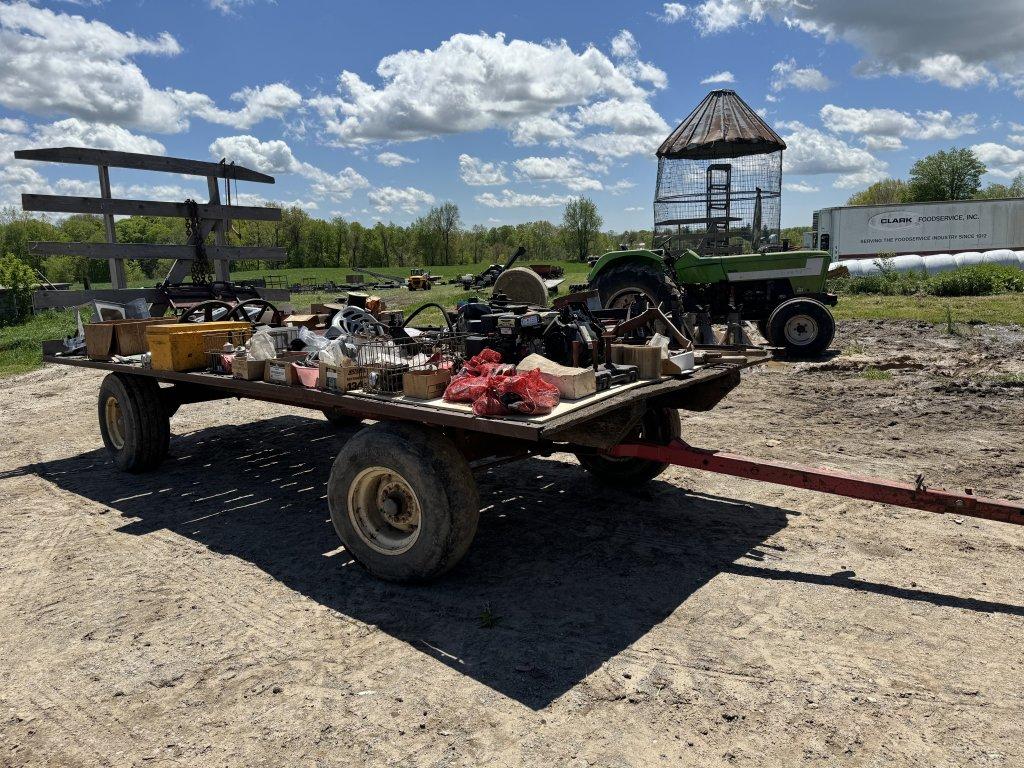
(762, 328)
(646, 277)
(818, 312)
(440, 477)
(146, 426)
(340, 419)
(659, 425)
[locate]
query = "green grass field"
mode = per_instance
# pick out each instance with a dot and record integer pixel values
(20, 345)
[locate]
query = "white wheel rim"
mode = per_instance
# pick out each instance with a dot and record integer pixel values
(800, 330)
(629, 296)
(115, 422)
(384, 510)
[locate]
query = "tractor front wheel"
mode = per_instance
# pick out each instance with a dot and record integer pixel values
(804, 327)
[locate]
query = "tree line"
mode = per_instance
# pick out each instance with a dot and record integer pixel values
(953, 174)
(437, 238)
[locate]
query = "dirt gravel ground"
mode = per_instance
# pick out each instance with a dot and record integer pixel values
(205, 615)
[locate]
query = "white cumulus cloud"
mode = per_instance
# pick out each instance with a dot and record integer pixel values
(275, 156)
(476, 173)
(672, 12)
(393, 159)
(408, 199)
(883, 128)
(568, 171)
(473, 82)
(1000, 160)
(58, 63)
(786, 74)
(955, 44)
(812, 152)
(725, 76)
(511, 199)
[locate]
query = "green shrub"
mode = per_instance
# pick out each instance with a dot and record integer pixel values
(17, 278)
(981, 280)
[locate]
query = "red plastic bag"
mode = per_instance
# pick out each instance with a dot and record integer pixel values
(465, 388)
(486, 363)
(525, 393)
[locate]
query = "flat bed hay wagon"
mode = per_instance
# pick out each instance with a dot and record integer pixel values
(401, 492)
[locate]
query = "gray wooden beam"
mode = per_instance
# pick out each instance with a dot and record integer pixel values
(119, 207)
(62, 299)
(112, 159)
(154, 251)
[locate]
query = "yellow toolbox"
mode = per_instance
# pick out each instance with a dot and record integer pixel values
(180, 347)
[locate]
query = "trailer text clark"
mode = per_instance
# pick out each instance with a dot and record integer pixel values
(864, 231)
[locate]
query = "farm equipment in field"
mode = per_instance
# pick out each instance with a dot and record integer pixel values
(717, 253)
(386, 281)
(419, 280)
(550, 275)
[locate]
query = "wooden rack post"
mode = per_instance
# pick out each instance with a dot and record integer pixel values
(214, 217)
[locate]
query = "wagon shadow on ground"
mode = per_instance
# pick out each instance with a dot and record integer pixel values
(568, 573)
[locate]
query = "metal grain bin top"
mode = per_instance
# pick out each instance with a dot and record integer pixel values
(722, 125)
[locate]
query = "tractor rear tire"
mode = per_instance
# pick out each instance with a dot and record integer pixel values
(804, 327)
(617, 282)
(133, 422)
(403, 501)
(659, 425)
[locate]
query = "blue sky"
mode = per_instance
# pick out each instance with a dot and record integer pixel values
(506, 109)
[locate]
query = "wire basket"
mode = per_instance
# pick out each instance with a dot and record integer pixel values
(220, 348)
(387, 360)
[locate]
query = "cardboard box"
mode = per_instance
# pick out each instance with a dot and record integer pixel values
(341, 379)
(248, 369)
(182, 346)
(280, 371)
(313, 322)
(119, 337)
(425, 384)
(572, 383)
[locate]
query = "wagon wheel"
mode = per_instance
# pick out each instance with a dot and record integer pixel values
(206, 311)
(252, 310)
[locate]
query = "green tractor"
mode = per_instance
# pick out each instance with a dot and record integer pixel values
(717, 254)
(783, 292)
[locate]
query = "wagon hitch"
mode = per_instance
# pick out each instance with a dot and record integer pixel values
(914, 496)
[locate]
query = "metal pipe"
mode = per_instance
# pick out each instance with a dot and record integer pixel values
(917, 496)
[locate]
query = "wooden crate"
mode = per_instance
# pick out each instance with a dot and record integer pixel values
(646, 359)
(182, 346)
(119, 337)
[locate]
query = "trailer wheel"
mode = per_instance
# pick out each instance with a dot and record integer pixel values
(659, 425)
(133, 422)
(804, 327)
(340, 419)
(403, 501)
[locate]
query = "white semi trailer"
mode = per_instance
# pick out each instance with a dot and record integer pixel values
(923, 229)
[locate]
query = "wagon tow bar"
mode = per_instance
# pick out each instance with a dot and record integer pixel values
(914, 496)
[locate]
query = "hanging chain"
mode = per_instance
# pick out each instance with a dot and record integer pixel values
(202, 271)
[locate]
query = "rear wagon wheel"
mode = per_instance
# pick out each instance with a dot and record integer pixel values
(403, 501)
